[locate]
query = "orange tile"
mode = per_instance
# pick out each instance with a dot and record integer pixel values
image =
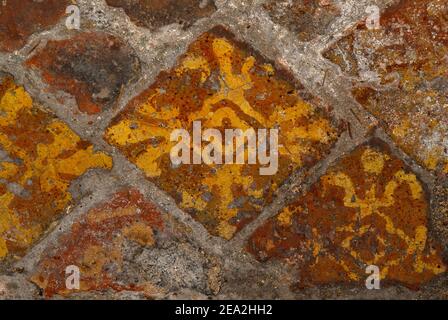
(41, 157)
(368, 209)
(224, 84)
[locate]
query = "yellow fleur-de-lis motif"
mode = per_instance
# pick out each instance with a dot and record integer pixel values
(371, 204)
(232, 86)
(218, 77)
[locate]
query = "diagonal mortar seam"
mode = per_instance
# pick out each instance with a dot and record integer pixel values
(425, 174)
(218, 22)
(201, 28)
(33, 42)
(311, 56)
(352, 13)
(150, 67)
(337, 93)
(300, 183)
(339, 149)
(239, 240)
(121, 26)
(426, 177)
(136, 178)
(187, 40)
(49, 34)
(94, 140)
(358, 106)
(71, 214)
(128, 174)
(301, 63)
(130, 177)
(431, 184)
(224, 22)
(356, 13)
(118, 180)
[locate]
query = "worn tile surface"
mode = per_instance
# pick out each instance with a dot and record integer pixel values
(87, 179)
(406, 63)
(225, 85)
(158, 13)
(305, 18)
(39, 157)
(368, 209)
(113, 243)
(93, 67)
(21, 18)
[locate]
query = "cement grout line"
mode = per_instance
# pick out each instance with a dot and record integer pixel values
(304, 60)
(300, 184)
(31, 259)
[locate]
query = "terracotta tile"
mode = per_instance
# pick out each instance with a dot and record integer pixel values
(407, 62)
(40, 156)
(368, 209)
(224, 84)
(93, 67)
(154, 14)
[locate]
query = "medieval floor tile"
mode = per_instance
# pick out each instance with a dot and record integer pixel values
(154, 14)
(122, 245)
(93, 67)
(306, 18)
(21, 18)
(368, 209)
(224, 85)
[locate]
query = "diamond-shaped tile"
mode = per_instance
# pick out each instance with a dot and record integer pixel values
(368, 209)
(94, 67)
(224, 84)
(94, 245)
(158, 13)
(123, 244)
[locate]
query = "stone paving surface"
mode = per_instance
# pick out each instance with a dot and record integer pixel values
(156, 14)
(105, 242)
(307, 19)
(22, 18)
(87, 186)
